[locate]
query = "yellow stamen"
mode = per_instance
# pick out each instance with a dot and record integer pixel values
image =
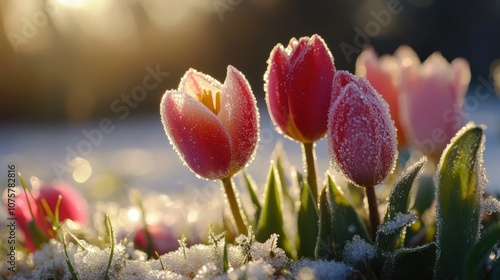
(207, 99)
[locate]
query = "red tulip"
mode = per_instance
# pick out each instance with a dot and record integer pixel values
(361, 135)
(298, 88)
(212, 126)
(162, 239)
(431, 101)
(384, 75)
(72, 206)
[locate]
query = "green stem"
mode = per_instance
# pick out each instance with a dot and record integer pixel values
(234, 204)
(373, 208)
(310, 161)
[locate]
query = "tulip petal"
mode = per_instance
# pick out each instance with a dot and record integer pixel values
(194, 82)
(197, 135)
(73, 206)
(438, 89)
(276, 88)
(461, 78)
(240, 117)
(310, 71)
(383, 75)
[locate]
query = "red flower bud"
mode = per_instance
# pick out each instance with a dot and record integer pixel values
(298, 88)
(361, 135)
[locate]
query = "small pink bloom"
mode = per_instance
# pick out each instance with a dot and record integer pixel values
(162, 238)
(73, 207)
(298, 84)
(212, 126)
(431, 102)
(384, 75)
(361, 135)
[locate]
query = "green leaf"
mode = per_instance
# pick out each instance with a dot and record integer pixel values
(37, 235)
(111, 235)
(414, 263)
(66, 256)
(324, 245)
(271, 218)
(460, 180)
(399, 200)
(345, 221)
(480, 253)
(253, 196)
(224, 257)
(280, 155)
(307, 223)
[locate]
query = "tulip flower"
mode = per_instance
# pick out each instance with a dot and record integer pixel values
(298, 84)
(36, 224)
(432, 96)
(213, 127)
(161, 240)
(384, 75)
(361, 136)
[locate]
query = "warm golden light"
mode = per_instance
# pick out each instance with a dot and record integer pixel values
(74, 3)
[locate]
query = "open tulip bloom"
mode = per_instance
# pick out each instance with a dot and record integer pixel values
(213, 127)
(410, 87)
(436, 224)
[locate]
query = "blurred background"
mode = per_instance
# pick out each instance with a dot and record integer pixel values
(68, 60)
(68, 65)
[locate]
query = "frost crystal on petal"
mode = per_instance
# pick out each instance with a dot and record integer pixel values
(400, 220)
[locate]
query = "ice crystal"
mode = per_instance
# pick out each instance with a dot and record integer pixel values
(490, 205)
(358, 251)
(400, 220)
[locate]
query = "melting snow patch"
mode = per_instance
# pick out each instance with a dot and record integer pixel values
(358, 250)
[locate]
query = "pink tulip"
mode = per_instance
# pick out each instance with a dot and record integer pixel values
(432, 95)
(72, 206)
(162, 238)
(298, 88)
(212, 126)
(384, 75)
(361, 135)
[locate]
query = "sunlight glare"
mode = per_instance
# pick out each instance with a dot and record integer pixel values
(74, 3)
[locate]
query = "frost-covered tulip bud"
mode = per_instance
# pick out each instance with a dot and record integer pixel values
(298, 84)
(162, 239)
(384, 74)
(431, 105)
(212, 126)
(361, 135)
